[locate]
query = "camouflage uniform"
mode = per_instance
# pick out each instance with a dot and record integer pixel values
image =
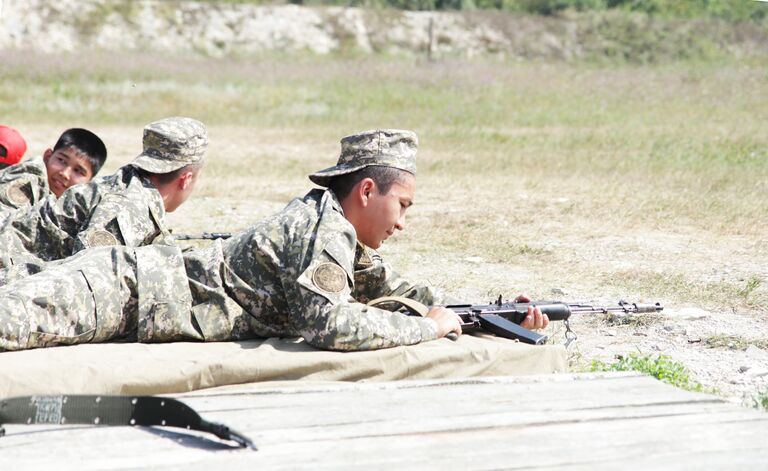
(300, 272)
(22, 185)
(93, 297)
(123, 209)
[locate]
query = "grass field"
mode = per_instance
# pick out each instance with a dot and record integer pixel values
(527, 153)
(560, 180)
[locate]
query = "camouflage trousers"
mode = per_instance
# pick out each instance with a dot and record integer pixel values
(98, 295)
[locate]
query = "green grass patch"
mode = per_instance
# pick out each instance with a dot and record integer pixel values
(760, 400)
(661, 367)
(750, 286)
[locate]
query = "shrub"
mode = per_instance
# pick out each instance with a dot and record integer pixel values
(661, 367)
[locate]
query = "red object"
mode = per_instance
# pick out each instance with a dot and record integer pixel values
(14, 144)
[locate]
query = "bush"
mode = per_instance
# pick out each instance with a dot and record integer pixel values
(661, 367)
(760, 400)
(732, 10)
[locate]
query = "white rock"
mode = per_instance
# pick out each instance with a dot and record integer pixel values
(687, 313)
(756, 352)
(474, 259)
(757, 372)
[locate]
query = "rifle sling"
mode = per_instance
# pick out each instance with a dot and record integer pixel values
(413, 306)
(111, 410)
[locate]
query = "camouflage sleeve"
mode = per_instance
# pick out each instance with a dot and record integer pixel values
(82, 300)
(22, 185)
(132, 217)
(111, 222)
(330, 319)
(16, 264)
(34, 230)
(375, 278)
(56, 223)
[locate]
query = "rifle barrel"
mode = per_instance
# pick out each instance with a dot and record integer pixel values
(621, 307)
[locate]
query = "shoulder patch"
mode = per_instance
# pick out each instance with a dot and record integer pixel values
(101, 238)
(329, 277)
(16, 194)
(363, 257)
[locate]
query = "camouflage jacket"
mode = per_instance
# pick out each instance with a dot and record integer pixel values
(23, 184)
(122, 209)
(298, 273)
(302, 273)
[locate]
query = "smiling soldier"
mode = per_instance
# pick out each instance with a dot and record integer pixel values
(126, 208)
(77, 157)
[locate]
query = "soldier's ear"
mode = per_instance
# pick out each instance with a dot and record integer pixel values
(365, 189)
(185, 179)
(47, 155)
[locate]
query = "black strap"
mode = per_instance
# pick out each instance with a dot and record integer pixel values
(111, 410)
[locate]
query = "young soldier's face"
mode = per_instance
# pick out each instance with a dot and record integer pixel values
(66, 167)
(386, 213)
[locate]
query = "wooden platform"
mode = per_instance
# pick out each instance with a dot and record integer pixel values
(608, 421)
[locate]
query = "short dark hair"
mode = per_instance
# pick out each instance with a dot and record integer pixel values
(383, 176)
(86, 142)
(168, 177)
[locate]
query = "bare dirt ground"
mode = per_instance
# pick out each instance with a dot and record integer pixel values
(722, 346)
(722, 343)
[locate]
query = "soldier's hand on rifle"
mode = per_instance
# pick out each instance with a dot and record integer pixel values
(535, 319)
(447, 321)
(523, 298)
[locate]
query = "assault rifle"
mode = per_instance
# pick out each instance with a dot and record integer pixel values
(203, 236)
(503, 319)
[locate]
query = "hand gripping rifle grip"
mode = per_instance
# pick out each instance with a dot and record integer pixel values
(555, 311)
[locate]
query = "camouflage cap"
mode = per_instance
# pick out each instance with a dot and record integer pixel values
(385, 147)
(14, 145)
(172, 143)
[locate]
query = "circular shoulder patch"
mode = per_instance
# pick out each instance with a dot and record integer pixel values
(16, 194)
(100, 238)
(330, 277)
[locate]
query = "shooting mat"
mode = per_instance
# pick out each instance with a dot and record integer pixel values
(133, 368)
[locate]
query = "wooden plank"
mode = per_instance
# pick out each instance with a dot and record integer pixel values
(562, 421)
